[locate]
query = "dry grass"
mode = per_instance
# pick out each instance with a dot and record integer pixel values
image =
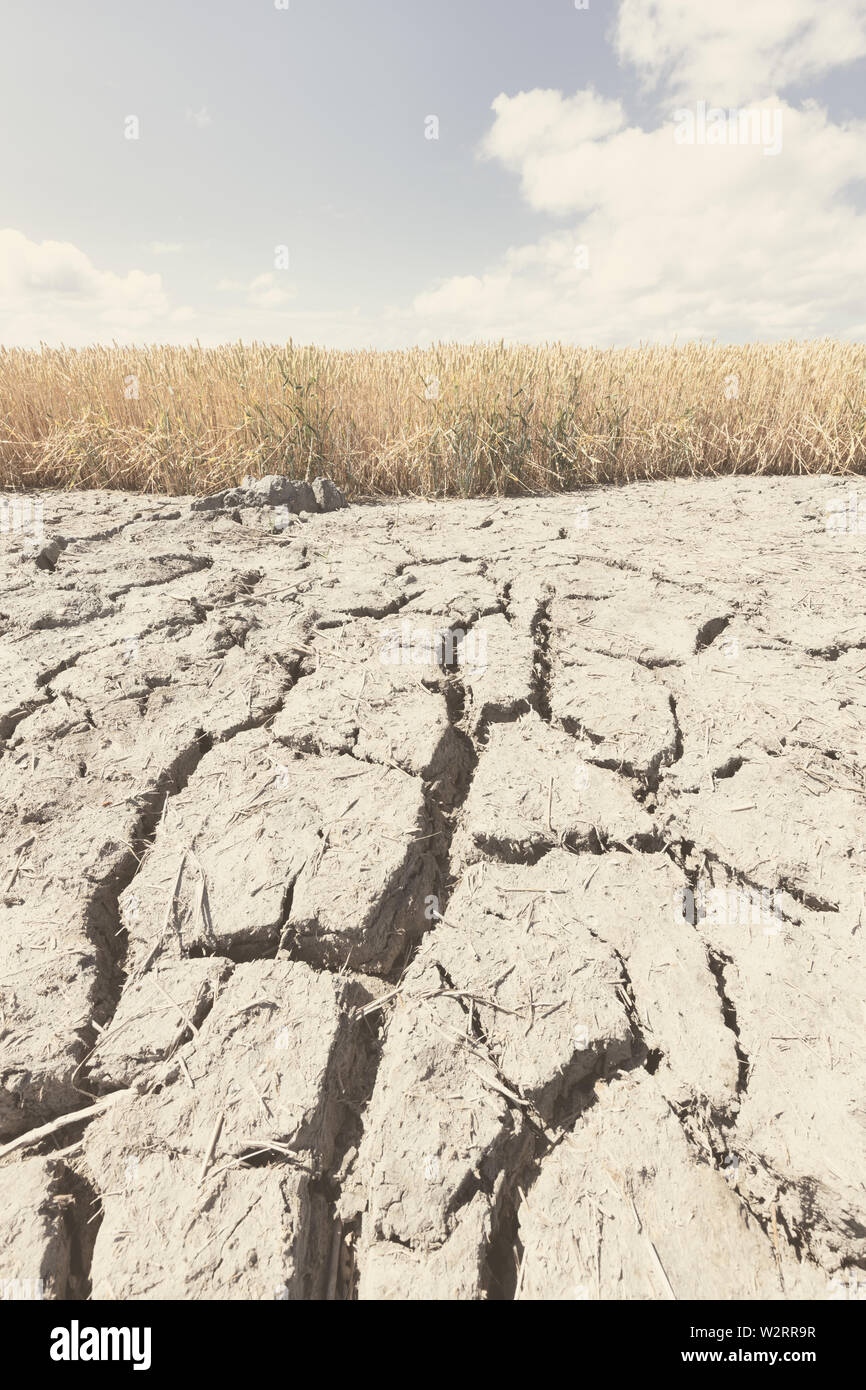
(502, 420)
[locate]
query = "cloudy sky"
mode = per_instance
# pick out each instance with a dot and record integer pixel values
(390, 172)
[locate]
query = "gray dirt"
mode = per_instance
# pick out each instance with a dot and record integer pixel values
(459, 900)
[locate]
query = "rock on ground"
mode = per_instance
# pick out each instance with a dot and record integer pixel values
(287, 494)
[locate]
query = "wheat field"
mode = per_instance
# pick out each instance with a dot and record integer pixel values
(446, 421)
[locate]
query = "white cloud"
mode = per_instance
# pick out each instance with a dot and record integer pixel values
(541, 119)
(165, 248)
(728, 240)
(265, 292)
(735, 50)
(682, 240)
(52, 291)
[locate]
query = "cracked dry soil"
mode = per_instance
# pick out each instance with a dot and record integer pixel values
(457, 900)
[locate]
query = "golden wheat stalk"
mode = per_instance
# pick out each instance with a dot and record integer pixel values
(450, 420)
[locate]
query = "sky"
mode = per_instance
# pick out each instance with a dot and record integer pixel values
(389, 173)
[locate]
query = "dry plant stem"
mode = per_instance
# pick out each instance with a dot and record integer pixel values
(34, 1136)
